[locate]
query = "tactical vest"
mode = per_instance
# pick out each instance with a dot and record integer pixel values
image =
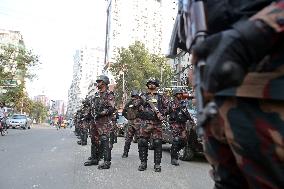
(131, 112)
(148, 112)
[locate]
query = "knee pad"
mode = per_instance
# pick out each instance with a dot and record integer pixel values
(103, 138)
(157, 142)
(142, 142)
(177, 140)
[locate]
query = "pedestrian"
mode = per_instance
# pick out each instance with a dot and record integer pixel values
(151, 114)
(103, 108)
(178, 116)
(59, 121)
(130, 112)
(244, 76)
(3, 114)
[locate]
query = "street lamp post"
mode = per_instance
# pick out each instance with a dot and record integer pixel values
(123, 89)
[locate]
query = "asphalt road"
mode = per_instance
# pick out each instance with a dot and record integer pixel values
(49, 159)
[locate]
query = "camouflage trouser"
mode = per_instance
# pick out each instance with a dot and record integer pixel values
(245, 144)
(104, 128)
(95, 139)
(114, 128)
(133, 128)
(149, 128)
(179, 130)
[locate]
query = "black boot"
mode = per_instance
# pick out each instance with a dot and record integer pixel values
(142, 166)
(174, 151)
(143, 153)
(94, 158)
(157, 143)
(111, 138)
(79, 142)
(98, 152)
(126, 149)
(106, 153)
(115, 138)
(84, 137)
(157, 168)
(105, 165)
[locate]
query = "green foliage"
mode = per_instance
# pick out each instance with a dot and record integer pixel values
(39, 111)
(138, 66)
(16, 65)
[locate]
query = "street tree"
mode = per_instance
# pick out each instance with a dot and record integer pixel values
(39, 111)
(134, 66)
(17, 64)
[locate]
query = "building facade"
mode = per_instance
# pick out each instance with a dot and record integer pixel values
(10, 37)
(88, 64)
(130, 21)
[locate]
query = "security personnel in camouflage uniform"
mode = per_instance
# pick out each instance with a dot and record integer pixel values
(178, 116)
(96, 151)
(151, 125)
(80, 124)
(103, 108)
(130, 112)
(114, 129)
(75, 118)
(244, 73)
(86, 118)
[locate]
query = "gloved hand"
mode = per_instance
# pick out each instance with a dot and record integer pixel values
(160, 117)
(103, 113)
(229, 54)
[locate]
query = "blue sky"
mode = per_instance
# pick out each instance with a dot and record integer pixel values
(54, 29)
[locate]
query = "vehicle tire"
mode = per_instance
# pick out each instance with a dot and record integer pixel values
(187, 153)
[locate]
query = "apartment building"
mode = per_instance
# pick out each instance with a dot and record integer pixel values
(88, 64)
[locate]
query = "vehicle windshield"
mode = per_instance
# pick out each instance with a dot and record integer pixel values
(18, 117)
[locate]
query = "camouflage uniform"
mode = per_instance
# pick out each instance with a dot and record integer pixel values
(86, 118)
(151, 126)
(75, 122)
(178, 117)
(94, 135)
(244, 142)
(130, 112)
(114, 129)
(80, 124)
(103, 108)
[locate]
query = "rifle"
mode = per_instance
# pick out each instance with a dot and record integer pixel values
(153, 107)
(191, 29)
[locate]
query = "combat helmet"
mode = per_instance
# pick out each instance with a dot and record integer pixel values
(177, 91)
(134, 93)
(154, 81)
(103, 78)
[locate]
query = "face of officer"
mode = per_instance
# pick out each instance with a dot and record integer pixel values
(101, 85)
(179, 96)
(152, 86)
